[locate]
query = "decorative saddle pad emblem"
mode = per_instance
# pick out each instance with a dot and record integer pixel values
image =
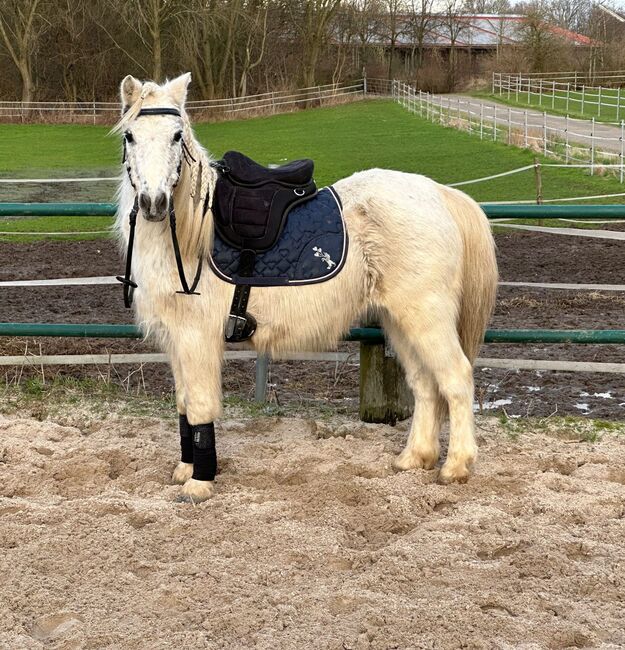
(324, 256)
(311, 248)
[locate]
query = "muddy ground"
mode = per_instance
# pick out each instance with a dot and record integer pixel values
(311, 540)
(525, 256)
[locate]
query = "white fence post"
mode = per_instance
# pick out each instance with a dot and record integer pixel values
(568, 96)
(509, 126)
(618, 103)
(566, 139)
(583, 97)
(495, 124)
(592, 147)
(599, 103)
(540, 92)
(481, 121)
(545, 132)
(553, 95)
(525, 130)
(622, 148)
(529, 90)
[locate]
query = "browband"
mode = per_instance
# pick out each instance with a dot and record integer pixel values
(159, 111)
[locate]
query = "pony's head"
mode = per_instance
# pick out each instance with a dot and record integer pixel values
(153, 124)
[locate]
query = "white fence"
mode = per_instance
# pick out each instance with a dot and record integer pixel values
(565, 94)
(577, 77)
(573, 141)
(107, 112)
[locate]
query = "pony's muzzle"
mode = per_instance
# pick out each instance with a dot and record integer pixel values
(154, 209)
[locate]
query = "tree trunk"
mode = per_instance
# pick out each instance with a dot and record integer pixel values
(157, 69)
(28, 87)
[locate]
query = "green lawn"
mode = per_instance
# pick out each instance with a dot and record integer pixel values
(341, 140)
(99, 225)
(574, 107)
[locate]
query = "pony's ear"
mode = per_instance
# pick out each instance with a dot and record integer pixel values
(129, 91)
(177, 88)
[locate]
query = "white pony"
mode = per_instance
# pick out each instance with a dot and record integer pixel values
(420, 254)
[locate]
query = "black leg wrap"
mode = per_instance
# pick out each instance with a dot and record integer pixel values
(204, 452)
(186, 440)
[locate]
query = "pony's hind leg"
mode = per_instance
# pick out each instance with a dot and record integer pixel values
(434, 337)
(422, 447)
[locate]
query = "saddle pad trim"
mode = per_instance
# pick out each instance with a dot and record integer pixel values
(278, 281)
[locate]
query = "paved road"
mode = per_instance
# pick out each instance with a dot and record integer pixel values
(606, 136)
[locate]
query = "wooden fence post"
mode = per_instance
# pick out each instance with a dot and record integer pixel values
(384, 393)
(262, 374)
(539, 182)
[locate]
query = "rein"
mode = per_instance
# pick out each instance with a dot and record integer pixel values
(129, 285)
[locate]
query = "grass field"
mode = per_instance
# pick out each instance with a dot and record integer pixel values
(341, 140)
(574, 107)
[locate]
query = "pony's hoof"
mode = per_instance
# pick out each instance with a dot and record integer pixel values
(458, 473)
(194, 491)
(410, 460)
(182, 473)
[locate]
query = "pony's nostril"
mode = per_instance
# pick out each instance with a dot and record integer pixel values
(160, 203)
(145, 203)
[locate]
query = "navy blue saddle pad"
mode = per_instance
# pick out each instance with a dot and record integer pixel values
(311, 248)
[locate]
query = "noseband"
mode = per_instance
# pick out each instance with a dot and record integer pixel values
(129, 285)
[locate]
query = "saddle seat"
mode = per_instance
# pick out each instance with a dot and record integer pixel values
(252, 203)
(246, 171)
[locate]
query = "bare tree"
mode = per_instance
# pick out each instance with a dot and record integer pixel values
(539, 42)
(310, 19)
(421, 21)
(150, 23)
(21, 25)
(455, 25)
(367, 18)
(394, 27)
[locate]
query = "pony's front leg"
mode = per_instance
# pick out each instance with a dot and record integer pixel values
(184, 470)
(199, 356)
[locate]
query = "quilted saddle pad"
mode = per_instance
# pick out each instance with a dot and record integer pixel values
(311, 248)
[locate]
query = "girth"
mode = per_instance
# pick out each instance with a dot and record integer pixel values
(250, 206)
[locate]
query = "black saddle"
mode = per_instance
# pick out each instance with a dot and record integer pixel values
(250, 207)
(244, 170)
(252, 202)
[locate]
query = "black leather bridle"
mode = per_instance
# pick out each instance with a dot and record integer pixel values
(129, 285)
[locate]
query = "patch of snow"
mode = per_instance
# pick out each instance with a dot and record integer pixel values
(533, 389)
(493, 405)
(582, 407)
(607, 395)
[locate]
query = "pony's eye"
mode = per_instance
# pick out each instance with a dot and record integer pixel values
(177, 136)
(128, 137)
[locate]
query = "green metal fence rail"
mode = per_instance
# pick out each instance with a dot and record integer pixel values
(493, 211)
(370, 335)
(365, 335)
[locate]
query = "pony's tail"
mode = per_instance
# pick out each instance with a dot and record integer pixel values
(479, 273)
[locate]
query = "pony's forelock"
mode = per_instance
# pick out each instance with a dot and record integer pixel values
(149, 87)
